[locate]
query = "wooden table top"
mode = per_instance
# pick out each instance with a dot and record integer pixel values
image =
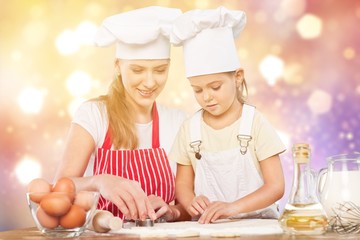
(33, 233)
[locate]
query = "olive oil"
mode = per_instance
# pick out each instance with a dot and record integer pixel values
(303, 219)
(303, 213)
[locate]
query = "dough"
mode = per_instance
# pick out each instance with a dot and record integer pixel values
(220, 229)
(187, 233)
(153, 234)
(224, 235)
(166, 233)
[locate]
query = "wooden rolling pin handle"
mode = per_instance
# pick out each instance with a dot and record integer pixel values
(104, 221)
(115, 223)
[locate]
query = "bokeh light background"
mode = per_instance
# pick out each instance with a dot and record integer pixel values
(301, 60)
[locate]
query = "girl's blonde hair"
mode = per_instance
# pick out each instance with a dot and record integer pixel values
(121, 119)
(242, 91)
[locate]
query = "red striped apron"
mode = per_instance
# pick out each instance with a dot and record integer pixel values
(149, 167)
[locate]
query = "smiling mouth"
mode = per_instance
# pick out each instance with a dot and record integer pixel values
(146, 93)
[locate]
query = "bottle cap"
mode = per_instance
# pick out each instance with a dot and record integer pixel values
(301, 152)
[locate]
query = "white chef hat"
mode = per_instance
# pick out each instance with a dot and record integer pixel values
(139, 34)
(207, 37)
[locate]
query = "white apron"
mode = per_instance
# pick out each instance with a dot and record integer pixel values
(230, 174)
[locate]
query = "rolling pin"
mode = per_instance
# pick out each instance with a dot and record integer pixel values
(104, 221)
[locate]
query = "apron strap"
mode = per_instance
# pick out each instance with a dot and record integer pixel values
(155, 131)
(155, 128)
(244, 136)
(195, 133)
(247, 117)
(107, 141)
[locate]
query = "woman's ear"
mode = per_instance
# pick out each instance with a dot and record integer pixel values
(239, 77)
(117, 66)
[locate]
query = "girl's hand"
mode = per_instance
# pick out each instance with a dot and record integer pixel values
(217, 210)
(198, 206)
(127, 195)
(162, 209)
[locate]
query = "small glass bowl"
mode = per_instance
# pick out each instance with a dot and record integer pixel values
(60, 214)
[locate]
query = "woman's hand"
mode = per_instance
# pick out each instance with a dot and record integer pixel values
(217, 210)
(198, 206)
(162, 209)
(127, 195)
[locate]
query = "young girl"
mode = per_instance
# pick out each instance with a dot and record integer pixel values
(123, 137)
(227, 154)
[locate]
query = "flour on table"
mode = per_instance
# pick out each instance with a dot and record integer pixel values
(221, 228)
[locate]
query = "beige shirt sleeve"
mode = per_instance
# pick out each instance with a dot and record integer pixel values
(179, 152)
(267, 141)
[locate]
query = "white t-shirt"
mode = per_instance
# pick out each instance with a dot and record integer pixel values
(265, 141)
(92, 116)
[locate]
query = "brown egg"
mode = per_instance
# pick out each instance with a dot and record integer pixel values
(65, 184)
(84, 199)
(76, 217)
(56, 204)
(39, 187)
(46, 220)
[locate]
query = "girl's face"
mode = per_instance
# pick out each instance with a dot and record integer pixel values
(143, 80)
(217, 93)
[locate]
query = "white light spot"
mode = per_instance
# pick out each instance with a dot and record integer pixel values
(271, 68)
(31, 100)
(27, 169)
(67, 42)
(309, 26)
(85, 33)
(78, 83)
(319, 102)
(59, 142)
(349, 136)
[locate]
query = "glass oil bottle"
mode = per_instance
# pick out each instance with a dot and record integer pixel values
(303, 213)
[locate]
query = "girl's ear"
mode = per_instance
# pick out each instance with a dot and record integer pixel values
(239, 77)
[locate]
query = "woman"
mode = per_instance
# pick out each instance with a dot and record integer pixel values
(227, 154)
(123, 136)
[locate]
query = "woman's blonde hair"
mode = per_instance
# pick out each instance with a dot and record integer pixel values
(121, 120)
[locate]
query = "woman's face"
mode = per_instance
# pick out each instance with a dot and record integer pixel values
(143, 80)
